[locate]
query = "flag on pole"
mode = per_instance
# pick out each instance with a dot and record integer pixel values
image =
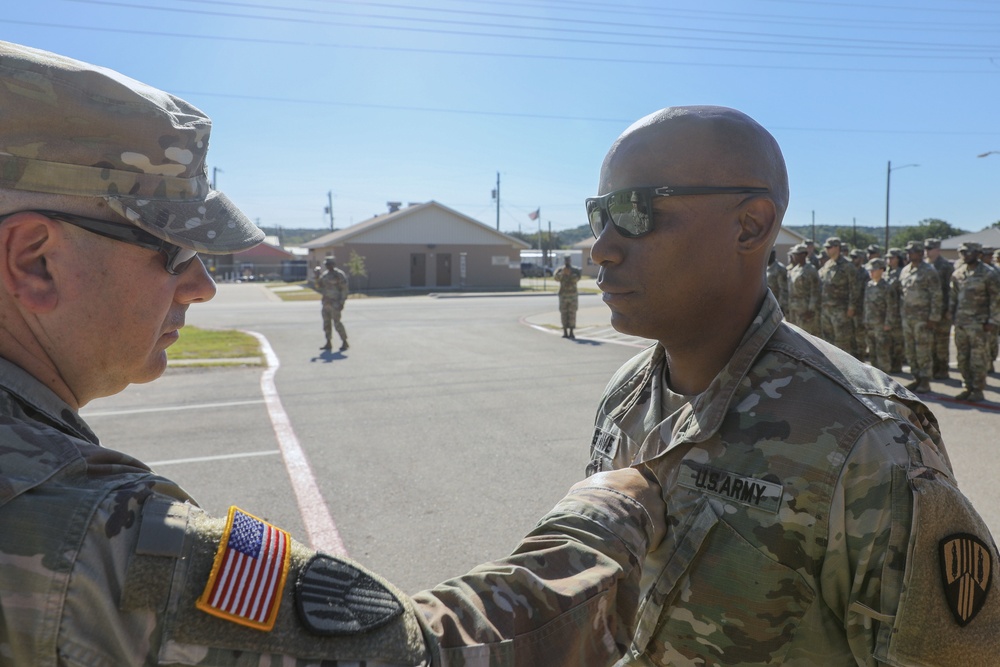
(249, 572)
(534, 214)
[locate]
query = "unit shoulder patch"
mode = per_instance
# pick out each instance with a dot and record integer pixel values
(967, 573)
(335, 598)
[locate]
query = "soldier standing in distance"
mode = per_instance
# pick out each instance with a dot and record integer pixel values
(777, 280)
(860, 341)
(332, 284)
(803, 291)
(991, 259)
(811, 255)
(975, 310)
(920, 306)
(880, 302)
(838, 296)
(897, 350)
(942, 332)
(569, 297)
(874, 251)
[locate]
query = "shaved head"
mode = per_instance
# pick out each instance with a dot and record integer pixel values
(700, 145)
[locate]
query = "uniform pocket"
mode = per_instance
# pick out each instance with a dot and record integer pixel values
(720, 599)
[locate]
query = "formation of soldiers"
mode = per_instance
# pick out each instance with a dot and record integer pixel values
(898, 309)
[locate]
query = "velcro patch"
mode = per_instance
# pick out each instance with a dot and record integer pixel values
(967, 572)
(750, 491)
(249, 572)
(335, 598)
(604, 442)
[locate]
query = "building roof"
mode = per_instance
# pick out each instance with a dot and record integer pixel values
(989, 237)
(371, 230)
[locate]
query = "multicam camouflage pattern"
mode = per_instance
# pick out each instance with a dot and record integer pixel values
(942, 332)
(880, 302)
(805, 494)
(897, 348)
(858, 321)
(101, 562)
(920, 308)
(70, 128)
(839, 291)
(777, 282)
(332, 284)
(804, 297)
(974, 303)
(569, 298)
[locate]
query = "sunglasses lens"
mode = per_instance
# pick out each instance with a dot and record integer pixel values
(595, 216)
(178, 259)
(630, 211)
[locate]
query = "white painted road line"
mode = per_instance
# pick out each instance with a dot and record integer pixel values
(168, 408)
(316, 516)
(220, 457)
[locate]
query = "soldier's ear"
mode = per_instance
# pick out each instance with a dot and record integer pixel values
(757, 220)
(26, 242)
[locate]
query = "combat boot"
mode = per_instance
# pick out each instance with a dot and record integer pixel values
(913, 385)
(344, 347)
(963, 395)
(975, 396)
(327, 347)
(923, 387)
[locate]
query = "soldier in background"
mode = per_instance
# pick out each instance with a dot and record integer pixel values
(568, 276)
(838, 296)
(990, 259)
(811, 255)
(803, 291)
(942, 334)
(332, 284)
(777, 280)
(920, 306)
(858, 257)
(874, 251)
(897, 350)
(975, 310)
(880, 304)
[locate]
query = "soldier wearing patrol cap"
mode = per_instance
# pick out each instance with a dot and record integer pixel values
(896, 260)
(803, 290)
(920, 307)
(880, 304)
(975, 310)
(839, 291)
(989, 258)
(104, 207)
(874, 250)
(858, 258)
(777, 279)
(942, 332)
(332, 284)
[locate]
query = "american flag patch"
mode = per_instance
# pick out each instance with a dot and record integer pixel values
(249, 572)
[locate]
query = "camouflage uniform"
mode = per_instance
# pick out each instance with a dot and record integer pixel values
(804, 297)
(332, 284)
(861, 276)
(994, 340)
(793, 488)
(569, 298)
(880, 302)
(920, 304)
(897, 349)
(838, 293)
(102, 561)
(942, 333)
(975, 302)
(777, 282)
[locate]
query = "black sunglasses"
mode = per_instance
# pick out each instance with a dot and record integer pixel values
(176, 258)
(630, 210)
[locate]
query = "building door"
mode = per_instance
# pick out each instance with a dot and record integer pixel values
(444, 270)
(418, 269)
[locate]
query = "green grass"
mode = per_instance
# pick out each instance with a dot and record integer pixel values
(198, 343)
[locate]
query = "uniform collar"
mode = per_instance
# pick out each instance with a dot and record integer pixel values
(34, 396)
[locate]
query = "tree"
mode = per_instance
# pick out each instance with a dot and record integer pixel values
(356, 268)
(925, 229)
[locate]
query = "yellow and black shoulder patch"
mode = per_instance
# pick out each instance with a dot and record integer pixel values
(967, 573)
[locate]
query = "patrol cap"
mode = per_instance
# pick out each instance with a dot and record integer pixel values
(78, 133)
(914, 246)
(970, 246)
(898, 252)
(932, 243)
(832, 241)
(987, 249)
(876, 263)
(874, 247)
(329, 259)
(858, 252)
(810, 242)
(799, 248)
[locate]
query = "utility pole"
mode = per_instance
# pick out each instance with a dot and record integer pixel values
(329, 207)
(496, 195)
(888, 173)
(815, 240)
(215, 170)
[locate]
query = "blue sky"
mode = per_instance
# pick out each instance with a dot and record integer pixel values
(405, 101)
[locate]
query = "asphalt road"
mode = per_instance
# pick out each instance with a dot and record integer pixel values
(450, 426)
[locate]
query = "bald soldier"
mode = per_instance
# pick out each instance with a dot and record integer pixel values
(105, 206)
(814, 518)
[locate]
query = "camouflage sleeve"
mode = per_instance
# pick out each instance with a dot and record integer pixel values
(953, 301)
(936, 297)
(993, 291)
(887, 570)
(145, 562)
(814, 292)
(567, 596)
(342, 287)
